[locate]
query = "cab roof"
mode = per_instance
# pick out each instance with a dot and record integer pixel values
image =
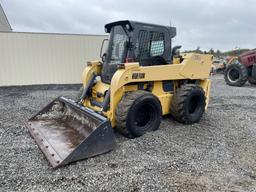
(134, 24)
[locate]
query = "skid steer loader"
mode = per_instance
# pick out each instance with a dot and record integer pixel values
(140, 79)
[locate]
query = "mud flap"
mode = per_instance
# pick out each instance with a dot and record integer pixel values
(66, 132)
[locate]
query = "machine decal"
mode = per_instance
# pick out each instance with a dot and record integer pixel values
(138, 75)
(197, 57)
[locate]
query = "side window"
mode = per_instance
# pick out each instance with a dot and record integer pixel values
(142, 47)
(156, 44)
(149, 44)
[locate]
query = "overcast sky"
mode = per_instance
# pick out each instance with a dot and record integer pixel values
(218, 24)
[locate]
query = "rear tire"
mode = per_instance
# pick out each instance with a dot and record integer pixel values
(236, 74)
(138, 112)
(252, 81)
(188, 104)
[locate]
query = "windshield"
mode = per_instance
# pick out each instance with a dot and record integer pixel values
(118, 38)
(115, 52)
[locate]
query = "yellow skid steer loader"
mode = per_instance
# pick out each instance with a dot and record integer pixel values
(139, 79)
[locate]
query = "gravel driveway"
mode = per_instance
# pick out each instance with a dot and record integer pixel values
(217, 154)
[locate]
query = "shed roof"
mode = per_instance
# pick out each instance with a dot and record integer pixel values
(4, 23)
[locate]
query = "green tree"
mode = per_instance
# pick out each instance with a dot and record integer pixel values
(218, 52)
(198, 50)
(211, 51)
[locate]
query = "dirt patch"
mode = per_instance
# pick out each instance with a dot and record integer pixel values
(60, 111)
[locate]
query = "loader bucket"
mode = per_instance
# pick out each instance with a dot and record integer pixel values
(66, 132)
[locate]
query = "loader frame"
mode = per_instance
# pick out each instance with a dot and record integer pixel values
(129, 75)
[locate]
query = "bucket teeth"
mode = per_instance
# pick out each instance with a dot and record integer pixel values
(66, 132)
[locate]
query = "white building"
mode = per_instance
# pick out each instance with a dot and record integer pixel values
(4, 23)
(44, 58)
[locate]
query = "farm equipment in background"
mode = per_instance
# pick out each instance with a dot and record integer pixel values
(218, 66)
(140, 79)
(241, 69)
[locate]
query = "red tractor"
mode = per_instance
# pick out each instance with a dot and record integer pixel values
(241, 69)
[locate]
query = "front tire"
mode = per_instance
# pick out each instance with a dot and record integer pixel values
(138, 112)
(236, 74)
(188, 104)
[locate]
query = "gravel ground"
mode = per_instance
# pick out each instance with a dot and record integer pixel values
(217, 154)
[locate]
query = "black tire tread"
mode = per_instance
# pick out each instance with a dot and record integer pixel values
(244, 74)
(123, 108)
(177, 109)
(252, 81)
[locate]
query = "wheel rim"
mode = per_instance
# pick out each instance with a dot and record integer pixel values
(194, 105)
(233, 75)
(144, 116)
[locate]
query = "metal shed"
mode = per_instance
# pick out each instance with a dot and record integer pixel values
(44, 58)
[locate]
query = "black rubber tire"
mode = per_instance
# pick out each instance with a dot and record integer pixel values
(138, 112)
(188, 104)
(236, 74)
(252, 81)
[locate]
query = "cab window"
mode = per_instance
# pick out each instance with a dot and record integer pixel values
(149, 44)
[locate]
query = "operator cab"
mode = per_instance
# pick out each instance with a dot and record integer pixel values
(132, 41)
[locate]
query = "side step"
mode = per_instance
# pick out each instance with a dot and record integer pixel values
(66, 132)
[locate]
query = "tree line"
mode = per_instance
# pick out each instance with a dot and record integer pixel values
(217, 52)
